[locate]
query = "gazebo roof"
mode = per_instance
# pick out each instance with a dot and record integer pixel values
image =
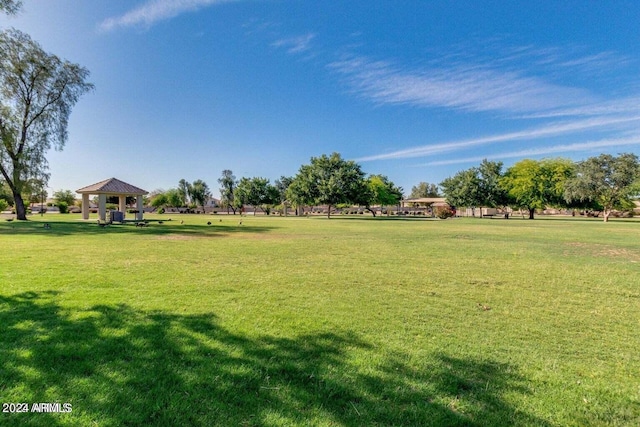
(112, 186)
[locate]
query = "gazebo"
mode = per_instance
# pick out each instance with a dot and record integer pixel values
(111, 187)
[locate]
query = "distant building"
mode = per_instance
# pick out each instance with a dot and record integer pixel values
(424, 202)
(212, 202)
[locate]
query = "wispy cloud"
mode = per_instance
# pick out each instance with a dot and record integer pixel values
(548, 130)
(554, 149)
(628, 105)
(469, 88)
(155, 11)
(295, 44)
(523, 83)
(567, 61)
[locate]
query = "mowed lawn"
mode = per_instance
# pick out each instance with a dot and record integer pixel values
(309, 321)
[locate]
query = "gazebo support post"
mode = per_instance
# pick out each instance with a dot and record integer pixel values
(140, 209)
(123, 205)
(102, 207)
(85, 206)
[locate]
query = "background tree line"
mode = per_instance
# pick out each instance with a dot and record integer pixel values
(327, 180)
(603, 183)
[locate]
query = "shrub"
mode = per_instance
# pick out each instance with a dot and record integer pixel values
(443, 212)
(63, 207)
(161, 210)
(3, 205)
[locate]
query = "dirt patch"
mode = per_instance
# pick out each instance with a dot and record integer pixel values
(182, 237)
(262, 236)
(235, 235)
(602, 251)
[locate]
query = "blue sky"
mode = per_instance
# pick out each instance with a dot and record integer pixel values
(415, 90)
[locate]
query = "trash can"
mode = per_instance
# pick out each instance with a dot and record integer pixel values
(117, 216)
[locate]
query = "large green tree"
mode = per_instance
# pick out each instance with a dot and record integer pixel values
(463, 189)
(536, 184)
(476, 187)
(257, 192)
(228, 184)
(424, 190)
(199, 192)
(329, 180)
(37, 93)
(607, 180)
(158, 199)
(175, 197)
(300, 192)
(383, 192)
(491, 192)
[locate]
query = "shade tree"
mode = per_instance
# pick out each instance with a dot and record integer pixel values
(381, 191)
(476, 187)
(199, 193)
(228, 185)
(37, 93)
(158, 199)
(328, 180)
(492, 193)
(536, 184)
(609, 181)
(257, 192)
(464, 189)
(175, 197)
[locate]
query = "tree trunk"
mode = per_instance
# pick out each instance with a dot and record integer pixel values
(605, 215)
(532, 211)
(329, 212)
(21, 211)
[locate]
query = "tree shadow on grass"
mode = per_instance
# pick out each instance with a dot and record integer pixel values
(65, 228)
(120, 366)
(376, 218)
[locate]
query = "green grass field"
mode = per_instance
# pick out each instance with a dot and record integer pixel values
(309, 321)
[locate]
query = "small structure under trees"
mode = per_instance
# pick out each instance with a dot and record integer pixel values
(111, 187)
